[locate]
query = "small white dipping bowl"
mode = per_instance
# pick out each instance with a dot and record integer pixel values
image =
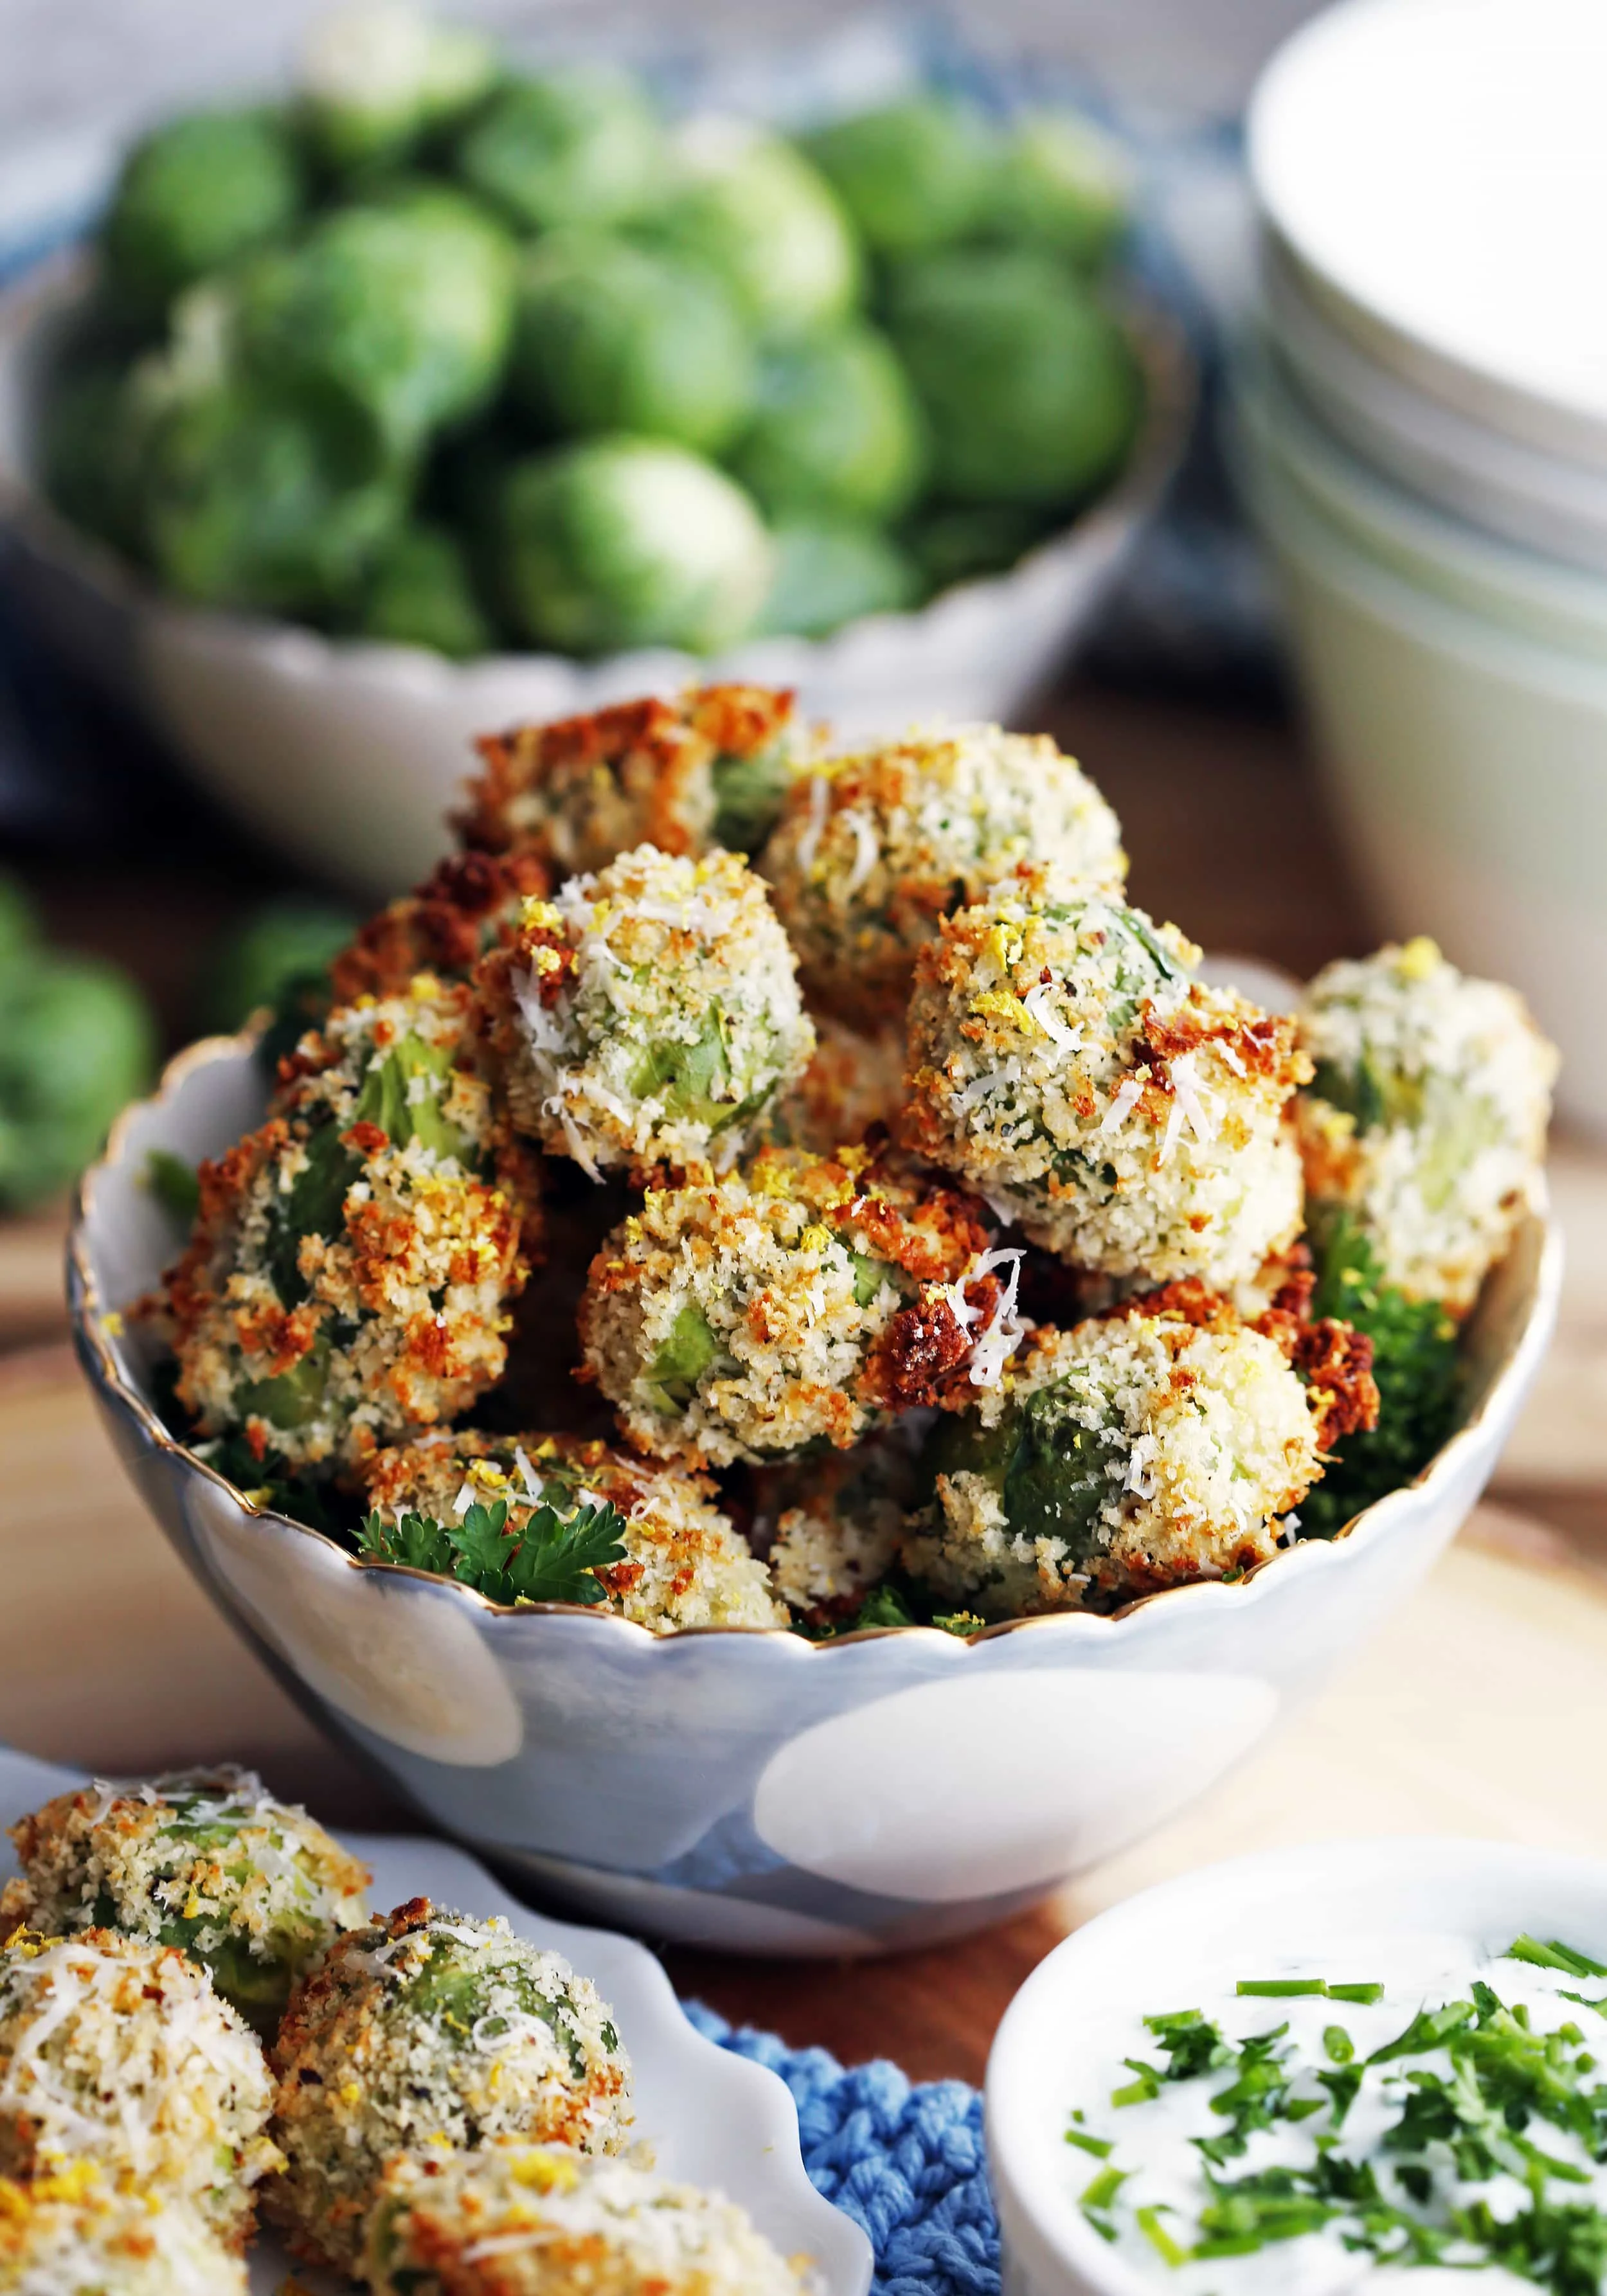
(344, 753)
(1156, 1950)
(744, 1787)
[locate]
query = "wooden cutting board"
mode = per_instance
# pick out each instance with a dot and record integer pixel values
(1480, 1707)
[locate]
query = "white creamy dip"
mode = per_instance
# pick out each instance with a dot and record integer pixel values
(1151, 2137)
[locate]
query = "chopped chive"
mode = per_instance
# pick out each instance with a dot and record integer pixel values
(1553, 1955)
(1280, 1989)
(1102, 2224)
(1104, 2187)
(1142, 2090)
(1100, 2146)
(1366, 1993)
(1159, 2239)
(1338, 2045)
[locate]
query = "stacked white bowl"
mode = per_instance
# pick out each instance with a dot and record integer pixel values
(1421, 425)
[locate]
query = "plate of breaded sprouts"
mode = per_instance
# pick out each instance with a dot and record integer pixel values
(218, 2065)
(760, 1187)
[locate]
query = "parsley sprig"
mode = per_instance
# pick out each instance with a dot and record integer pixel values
(550, 1558)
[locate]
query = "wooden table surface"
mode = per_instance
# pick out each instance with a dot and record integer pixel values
(1480, 1707)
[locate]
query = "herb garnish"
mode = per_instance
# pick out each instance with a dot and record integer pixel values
(553, 1559)
(1486, 2117)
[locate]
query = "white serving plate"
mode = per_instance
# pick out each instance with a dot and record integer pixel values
(741, 1786)
(345, 754)
(1153, 1950)
(712, 2118)
(1437, 173)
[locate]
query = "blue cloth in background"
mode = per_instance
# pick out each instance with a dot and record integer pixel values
(904, 2160)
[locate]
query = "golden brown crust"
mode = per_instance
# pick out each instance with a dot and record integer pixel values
(468, 902)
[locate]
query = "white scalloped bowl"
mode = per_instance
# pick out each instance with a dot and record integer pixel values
(345, 754)
(745, 1787)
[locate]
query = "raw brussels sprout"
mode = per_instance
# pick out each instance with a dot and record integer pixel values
(284, 942)
(1029, 387)
(401, 311)
(838, 428)
(953, 544)
(76, 1043)
(612, 337)
(580, 146)
(625, 542)
(375, 80)
(1064, 186)
(420, 593)
(193, 196)
(755, 210)
(88, 453)
(248, 500)
(831, 571)
(913, 176)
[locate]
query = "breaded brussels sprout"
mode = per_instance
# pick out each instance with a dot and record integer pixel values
(709, 768)
(378, 76)
(428, 2029)
(579, 145)
(682, 1565)
(872, 850)
(913, 175)
(208, 1861)
(194, 197)
(832, 570)
(852, 1084)
(613, 336)
(800, 1300)
(755, 210)
(517, 2219)
(647, 1016)
(1156, 1443)
(1031, 390)
(402, 313)
(79, 2234)
(468, 903)
(418, 592)
(836, 1524)
(836, 429)
(119, 2053)
(614, 543)
(1065, 1063)
(348, 1278)
(1424, 1123)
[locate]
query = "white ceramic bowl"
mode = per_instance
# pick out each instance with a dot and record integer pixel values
(712, 2118)
(1458, 691)
(1156, 1949)
(345, 754)
(749, 1788)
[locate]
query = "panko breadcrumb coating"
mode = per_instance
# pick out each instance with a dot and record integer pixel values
(121, 2053)
(684, 1566)
(469, 902)
(251, 1887)
(349, 1281)
(708, 770)
(428, 2029)
(530, 2220)
(1064, 1062)
(804, 1299)
(852, 1085)
(835, 1523)
(1154, 1445)
(872, 850)
(647, 1016)
(76, 2233)
(1425, 1121)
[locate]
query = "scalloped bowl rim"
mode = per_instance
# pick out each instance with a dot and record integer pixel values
(1312, 1556)
(315, 656)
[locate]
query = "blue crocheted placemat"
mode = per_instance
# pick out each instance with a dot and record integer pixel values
(905, 2160)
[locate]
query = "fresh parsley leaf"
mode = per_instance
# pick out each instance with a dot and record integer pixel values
(481, 1547)
(415, 1539)
(557, 1554)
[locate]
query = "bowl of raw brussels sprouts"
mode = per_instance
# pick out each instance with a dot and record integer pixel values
(443, 392)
